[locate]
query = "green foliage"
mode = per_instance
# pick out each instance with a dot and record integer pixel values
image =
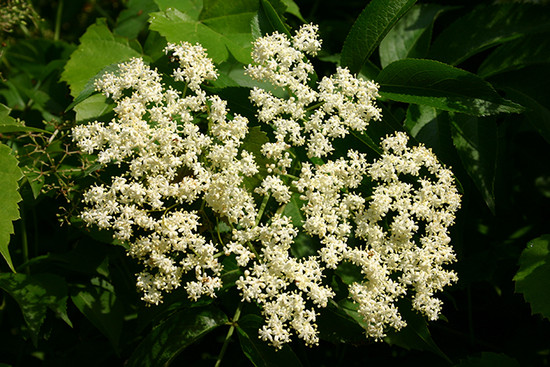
(487, 26)
(174, 334)
(369, 30)
(469, 81)
(35, 294)
(488, 359)
(260, 354)
(220, 26)
(9, 197)
(533, 276)
(441, 86)
(411, 35)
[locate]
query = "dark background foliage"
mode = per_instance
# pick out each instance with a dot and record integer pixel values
(74, 300)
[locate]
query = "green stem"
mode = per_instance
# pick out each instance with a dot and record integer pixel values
(229, 334)
(24, 241)
(57, 31)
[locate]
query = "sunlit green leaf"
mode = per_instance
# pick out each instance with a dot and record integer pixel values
(486, 26)
(192, 8)
(369, 30)
(221, 27)
(98, 48)
(172, 336)
(441, 86)
(10, 173)
(533, 276)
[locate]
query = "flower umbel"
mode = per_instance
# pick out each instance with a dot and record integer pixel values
(195, 189)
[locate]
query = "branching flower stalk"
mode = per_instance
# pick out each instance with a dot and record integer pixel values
(181, 149)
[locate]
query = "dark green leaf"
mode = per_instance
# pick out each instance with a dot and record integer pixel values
(476, 141)
(99, 303)
(411, 35)
(486, 26)
(259, 352)
(10, 173)
(414, 336)
(132, 20)
(98, 48)
(517, 54)
(270, 20)
(537, 114)
(441, 86)
(173, 335)
(489, 359)
(369, 30)
(336, 327)
(533, 276)
(35, 294)
(431, 127)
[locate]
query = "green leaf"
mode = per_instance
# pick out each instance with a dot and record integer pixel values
(486, 26)
(476, 141)
(537, 114)
(98, 48)
(293, 209)
(259, 352)
(517, 54)
(252, 143)
(10, 173)
(410, 37)
(89, 88)
(93, 107)
(176, 333)
(221, 27)
(270, 20)
(336, 327)
(99, 303)
(192, 8)
(10, 125)
(35, 294)
(132, 20)
(431, 127)
(442, 86)
(292, 8)
(369, 30)
(533, 276)
(414, 336)
(489, 359)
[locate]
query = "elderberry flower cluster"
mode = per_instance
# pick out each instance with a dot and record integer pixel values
(190, 191)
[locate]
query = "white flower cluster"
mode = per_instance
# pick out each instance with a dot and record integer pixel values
(182, 161)
(155, 138)
(343, 100)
